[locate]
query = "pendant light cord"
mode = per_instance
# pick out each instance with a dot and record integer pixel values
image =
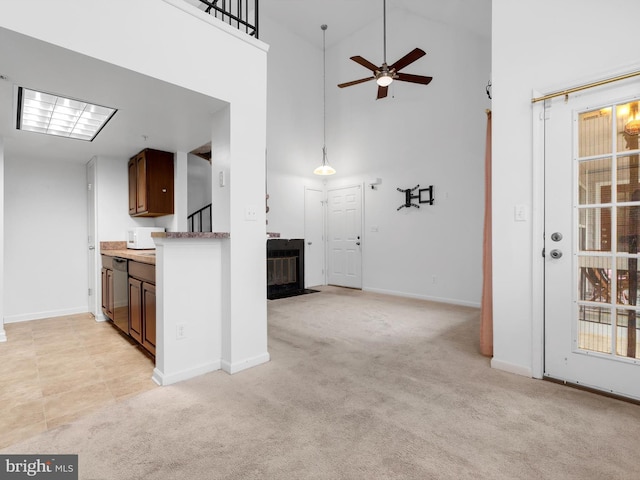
(324, 94)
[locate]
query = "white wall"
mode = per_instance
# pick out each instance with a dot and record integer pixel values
(286, 203)
(113, 219)
(153, 37)
(199, 183)
(294, 126)
(427, 135)
(544, 45)
(44, 202)
(3, 335)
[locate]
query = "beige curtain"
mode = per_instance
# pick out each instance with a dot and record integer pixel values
(486, 310)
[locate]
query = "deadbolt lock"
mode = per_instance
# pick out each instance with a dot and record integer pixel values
(556, 236)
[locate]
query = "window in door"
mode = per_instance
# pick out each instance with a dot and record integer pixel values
(608, 230)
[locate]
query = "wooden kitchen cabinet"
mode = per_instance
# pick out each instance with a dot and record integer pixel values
(135, 309)
(151, 184)
(149, 317)
(142, 304)
(107, 287)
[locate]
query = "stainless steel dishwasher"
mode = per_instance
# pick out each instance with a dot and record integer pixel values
(121, 294)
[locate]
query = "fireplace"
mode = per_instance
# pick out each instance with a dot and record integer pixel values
(285, 267)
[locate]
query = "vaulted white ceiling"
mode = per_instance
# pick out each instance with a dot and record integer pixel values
(180, 120)
(344, 17)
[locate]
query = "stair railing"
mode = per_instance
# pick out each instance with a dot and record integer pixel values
(200, 220)
(241, 14)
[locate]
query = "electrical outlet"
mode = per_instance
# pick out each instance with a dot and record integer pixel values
(181, 331)
(250, 213)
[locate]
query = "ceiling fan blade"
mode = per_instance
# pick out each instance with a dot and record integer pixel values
(355, 82)
(407, 77)
(410, 57)
(382, 92)
(365, 63)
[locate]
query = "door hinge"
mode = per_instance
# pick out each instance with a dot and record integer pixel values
(90, 292)
(543, 253)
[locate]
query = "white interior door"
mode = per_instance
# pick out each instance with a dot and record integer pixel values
(314, 247)
(344, 232)
(592, 236)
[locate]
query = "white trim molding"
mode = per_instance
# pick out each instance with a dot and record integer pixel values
(236, 367)
(163, 379)
(511, 368)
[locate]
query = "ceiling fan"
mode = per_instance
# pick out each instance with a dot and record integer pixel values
(385, 74)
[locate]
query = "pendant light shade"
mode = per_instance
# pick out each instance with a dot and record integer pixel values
(325, 168)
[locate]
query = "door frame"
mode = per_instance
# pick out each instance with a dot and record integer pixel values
(94, 279)
(539, 114)
(537, 229)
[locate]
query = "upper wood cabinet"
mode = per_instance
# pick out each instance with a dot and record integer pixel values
(151, 184)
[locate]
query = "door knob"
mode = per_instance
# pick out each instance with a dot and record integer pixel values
(556, 253)
(556, 236)
(357, 243)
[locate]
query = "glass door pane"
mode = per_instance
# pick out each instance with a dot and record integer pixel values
(608, 230)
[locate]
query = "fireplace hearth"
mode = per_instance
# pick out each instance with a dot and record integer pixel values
(285, 268)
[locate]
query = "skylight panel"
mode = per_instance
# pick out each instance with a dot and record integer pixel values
(50, 114)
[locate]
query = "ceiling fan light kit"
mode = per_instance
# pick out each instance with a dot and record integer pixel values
(384, 75)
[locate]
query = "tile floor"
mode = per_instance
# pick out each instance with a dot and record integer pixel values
(55, 370)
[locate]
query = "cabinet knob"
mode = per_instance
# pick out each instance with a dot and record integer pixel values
(164, 190)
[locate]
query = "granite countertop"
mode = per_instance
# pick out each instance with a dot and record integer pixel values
(119, 249)
(190, 235)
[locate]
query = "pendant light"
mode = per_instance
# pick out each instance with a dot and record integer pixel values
(325, 168)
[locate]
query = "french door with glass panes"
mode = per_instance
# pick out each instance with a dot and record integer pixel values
(592, 239)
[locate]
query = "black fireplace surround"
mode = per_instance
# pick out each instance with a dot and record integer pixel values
(285, 267)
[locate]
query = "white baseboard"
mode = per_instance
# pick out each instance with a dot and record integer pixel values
(511, 368)
(167, 379)
(25, 317)
(452, 301)
(236, 367)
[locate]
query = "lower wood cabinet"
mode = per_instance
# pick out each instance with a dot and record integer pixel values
(107, 287)
(149, 317)
(135, 309)
(142, 304)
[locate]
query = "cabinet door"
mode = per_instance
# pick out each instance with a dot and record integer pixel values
(135, 309)
(133, 185)
(105, 291)
(149, 316)
(141, 183)
(109, 275)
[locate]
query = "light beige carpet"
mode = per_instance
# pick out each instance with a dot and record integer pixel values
(360, 386)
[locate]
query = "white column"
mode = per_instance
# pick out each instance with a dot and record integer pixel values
(188, 308)
(3, 334)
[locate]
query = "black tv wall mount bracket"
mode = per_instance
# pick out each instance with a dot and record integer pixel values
(408, 196)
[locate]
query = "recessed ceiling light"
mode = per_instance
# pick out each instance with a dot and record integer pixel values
(50, 114)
